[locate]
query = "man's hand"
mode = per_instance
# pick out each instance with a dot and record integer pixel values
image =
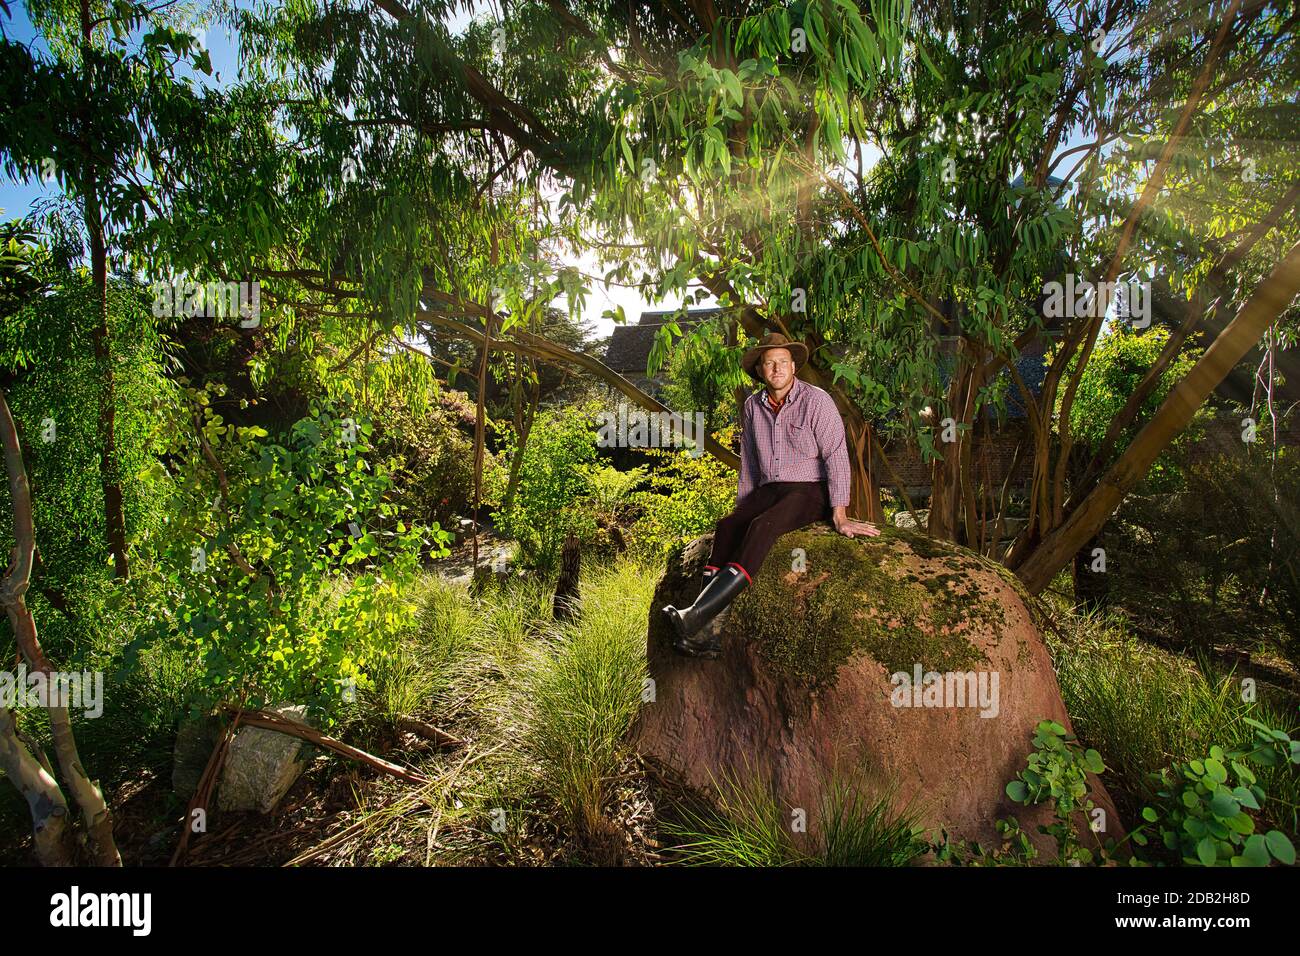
(850, 527)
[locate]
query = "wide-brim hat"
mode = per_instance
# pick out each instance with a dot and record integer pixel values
(773, 340)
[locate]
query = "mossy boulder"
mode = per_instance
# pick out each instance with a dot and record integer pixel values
(808, 680)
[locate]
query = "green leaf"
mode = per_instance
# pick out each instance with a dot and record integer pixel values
(1223, 805)
(1280, 845)
(1245, 798)
(925, 58)
(1206, 851)
(734, 89)
(1255, 852)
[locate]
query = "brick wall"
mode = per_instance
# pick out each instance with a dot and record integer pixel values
(1223, 436)
(998, 450)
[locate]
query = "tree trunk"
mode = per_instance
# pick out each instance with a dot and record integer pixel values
(564, 607)
(99, 823)
(110, 480)
(1090, 588)
(49, 809)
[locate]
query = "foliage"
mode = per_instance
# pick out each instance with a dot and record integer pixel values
(546, 506)
(275, 562)
(1218, 555)
(1145, 708)
(1202, 814)
(54, 397)
(702, 376)
(433, 460)
(750, 827)
(611, 501)
(1199, 815)
(1118, 363)
(686, 497)
(580, 694)
(1250, 530)
(1057, 772)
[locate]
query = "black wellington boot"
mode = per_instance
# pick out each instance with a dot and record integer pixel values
(705, 578)
(687, 622)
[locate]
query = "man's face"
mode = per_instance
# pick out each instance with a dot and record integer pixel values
(777, 368)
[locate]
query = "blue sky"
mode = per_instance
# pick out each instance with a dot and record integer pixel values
(16, 199)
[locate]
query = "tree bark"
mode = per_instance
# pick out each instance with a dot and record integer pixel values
(110, 480)
(49, 809)
(13, 589)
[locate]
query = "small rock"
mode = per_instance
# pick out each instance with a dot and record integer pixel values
(916, 520)
(262, 765)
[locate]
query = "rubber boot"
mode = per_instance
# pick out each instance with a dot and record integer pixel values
(687, 622)
(706, 575)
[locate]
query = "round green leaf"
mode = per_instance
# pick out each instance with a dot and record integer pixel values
(1206, 851)
(1279, 844)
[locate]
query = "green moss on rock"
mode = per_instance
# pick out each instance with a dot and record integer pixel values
(858, 596)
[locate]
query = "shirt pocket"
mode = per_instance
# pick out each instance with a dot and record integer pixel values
(802, 440)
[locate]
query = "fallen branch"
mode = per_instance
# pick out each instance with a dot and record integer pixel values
(428, 732)
(203, 792)
(284, 725)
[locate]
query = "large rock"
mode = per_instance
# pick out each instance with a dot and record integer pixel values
(805, 680)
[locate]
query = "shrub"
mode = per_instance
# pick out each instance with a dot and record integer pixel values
(686, 497)
(1203, 808)
(433, 459)
(272, 568)
(547, 504)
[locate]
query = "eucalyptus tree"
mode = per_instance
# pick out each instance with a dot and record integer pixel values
(864, 178)
(25, 273)
(84, 112)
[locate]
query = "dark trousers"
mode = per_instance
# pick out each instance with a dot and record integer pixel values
(745, 536)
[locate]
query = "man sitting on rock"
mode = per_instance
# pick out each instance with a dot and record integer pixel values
(794, 470)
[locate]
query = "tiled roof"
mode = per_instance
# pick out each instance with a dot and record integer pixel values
(629, 345)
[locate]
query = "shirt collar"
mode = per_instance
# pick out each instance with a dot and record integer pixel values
(795, 389)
